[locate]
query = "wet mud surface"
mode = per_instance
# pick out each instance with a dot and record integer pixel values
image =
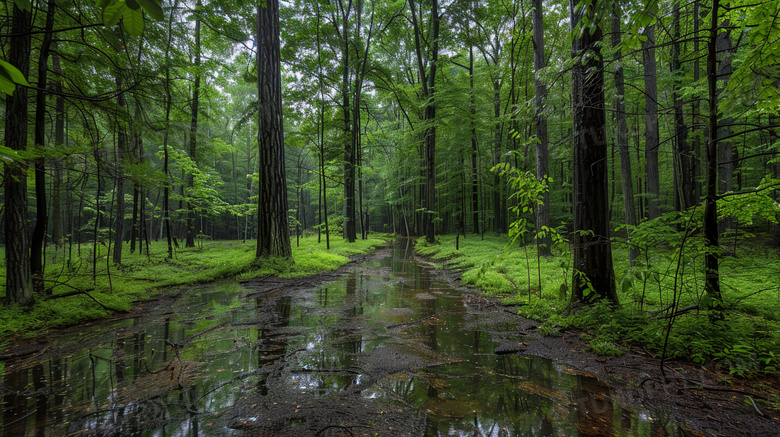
(388, 345)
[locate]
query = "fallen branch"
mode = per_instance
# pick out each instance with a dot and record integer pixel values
(84, 292)
(678, 313)
(414, 322)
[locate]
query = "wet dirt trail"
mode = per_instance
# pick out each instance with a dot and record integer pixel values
(388, 348)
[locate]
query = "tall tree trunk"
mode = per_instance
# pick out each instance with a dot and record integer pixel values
(350, 228)
(428, 80)
(684, 190)
(168, 103)
(712, 246)
(321, 135)
(474, 146)
(498, 210)
(190, 233)
(622, 135)
(726, 163)
(18, 282)
(273, 233)
(38, 239)
(651, 125)
(119, 173)
(544, 243)
(593, 272)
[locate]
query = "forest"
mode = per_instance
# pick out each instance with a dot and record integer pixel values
(595, 151)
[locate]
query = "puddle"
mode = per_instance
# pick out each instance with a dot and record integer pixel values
(384, 350)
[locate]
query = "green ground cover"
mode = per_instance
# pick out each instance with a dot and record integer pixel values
(746, 343)
(117, 288)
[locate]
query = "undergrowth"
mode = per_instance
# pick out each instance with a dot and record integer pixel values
(745, 344)
(141, 276)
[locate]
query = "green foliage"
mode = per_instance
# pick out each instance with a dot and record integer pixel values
(746, 344)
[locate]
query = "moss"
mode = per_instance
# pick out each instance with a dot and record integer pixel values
(749, 284)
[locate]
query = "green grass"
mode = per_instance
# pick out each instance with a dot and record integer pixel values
(750, 286)
(141, 277)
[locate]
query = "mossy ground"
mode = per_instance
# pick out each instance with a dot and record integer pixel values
(142, 276)
(746, 343)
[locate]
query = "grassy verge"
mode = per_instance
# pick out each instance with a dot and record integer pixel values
(117, 288)
(746, 343)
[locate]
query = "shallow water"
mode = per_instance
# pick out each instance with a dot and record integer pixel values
(386, 349)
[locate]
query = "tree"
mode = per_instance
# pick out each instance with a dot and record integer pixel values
(593, 272)
(273, 233)
(426, 69)
(18, 285)
(651, 124)
(622, 132)
(542, 155)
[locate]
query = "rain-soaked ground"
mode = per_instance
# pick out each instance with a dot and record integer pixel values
(387, 349)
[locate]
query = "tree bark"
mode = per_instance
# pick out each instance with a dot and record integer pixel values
(622, 136)
(273, 234)
(17, 243)
(119, 173)
(651, 125)
(38, 239)
(428, 81)
(712, 246)
(593, 272)
(190, 233)
(544, 243)
(683, 169)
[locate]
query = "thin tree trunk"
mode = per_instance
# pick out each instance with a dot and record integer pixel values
(651, 125)
(622, 136)
(684, 192)
(190, 232)
(474, 146)
(38, 239)
(712, 246)
(121, 145)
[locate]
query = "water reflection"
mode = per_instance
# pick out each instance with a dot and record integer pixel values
(388, 332)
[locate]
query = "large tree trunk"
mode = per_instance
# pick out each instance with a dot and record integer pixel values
(542, 155)
(273, 234)
(726, 163)
(38, 239)
(651, 125)
(18, 285)
(622, 136)
(593, 273)
(350, 223)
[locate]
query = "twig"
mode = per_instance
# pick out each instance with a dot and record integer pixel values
(395, 325)
(75, 292)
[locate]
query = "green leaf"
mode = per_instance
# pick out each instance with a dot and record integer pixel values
(133, 22)
(24, 5)
(12, 73)
(153, 8)
(113, 13)
(6, 85)
(132, 4)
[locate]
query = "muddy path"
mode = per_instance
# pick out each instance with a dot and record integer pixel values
(389, 345)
